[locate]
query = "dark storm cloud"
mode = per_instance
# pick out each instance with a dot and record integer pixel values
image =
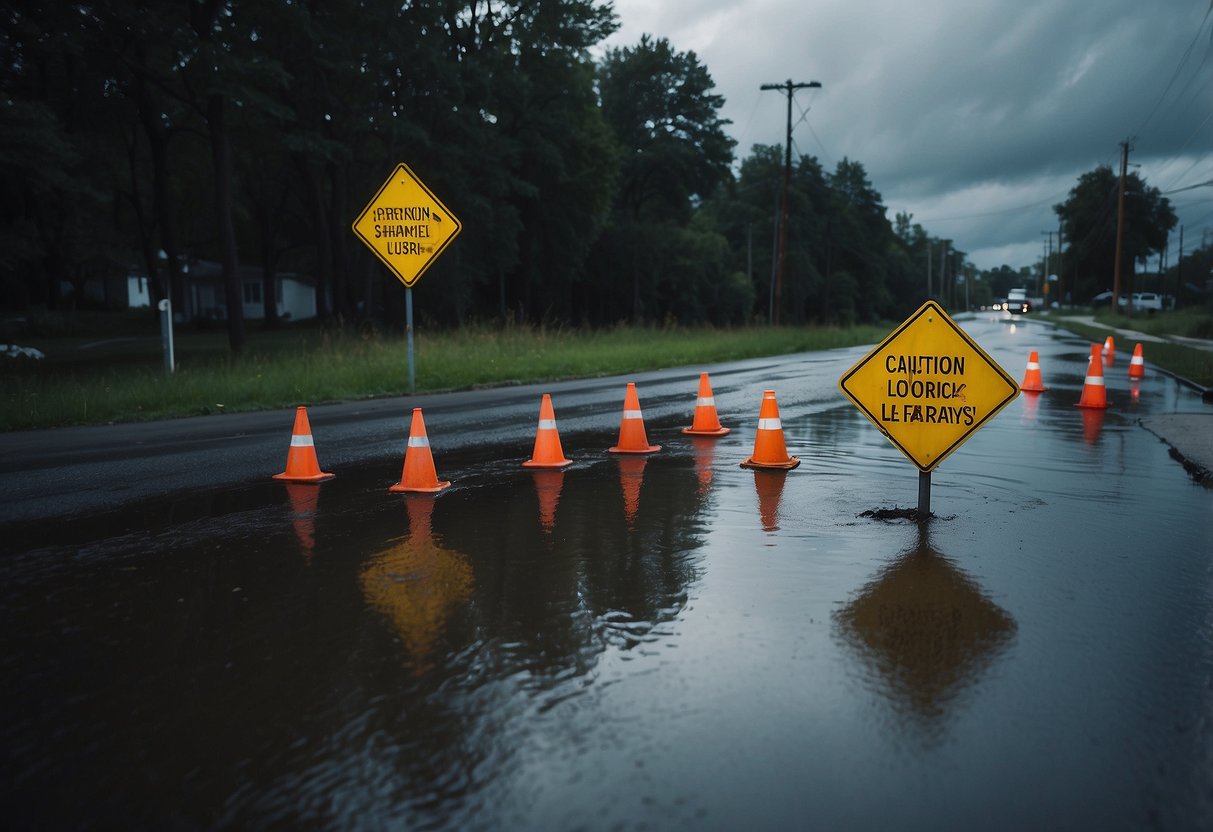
(984, 111)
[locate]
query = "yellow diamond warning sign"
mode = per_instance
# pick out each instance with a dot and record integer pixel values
(928, 387)
(406, 225)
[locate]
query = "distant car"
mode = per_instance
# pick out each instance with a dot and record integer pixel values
(1151, 301)
(1017, 302)
(1105, 299)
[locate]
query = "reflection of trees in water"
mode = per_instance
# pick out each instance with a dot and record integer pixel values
(417, 584)
(927, 633)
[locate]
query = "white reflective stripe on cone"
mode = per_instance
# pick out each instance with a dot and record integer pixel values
(769, 424)
(1032, 365)
(302, 441)
(632, 414)
(707, 401)
(547, 424)
(1096, 380)
(419, 441)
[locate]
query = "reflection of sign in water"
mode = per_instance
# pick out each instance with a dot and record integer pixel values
(928, 387)
(406, 225)
(927, 630)
(417, 584)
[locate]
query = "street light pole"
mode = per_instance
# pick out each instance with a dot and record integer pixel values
(788, 87)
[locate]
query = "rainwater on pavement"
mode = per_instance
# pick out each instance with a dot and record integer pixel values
(665, 642)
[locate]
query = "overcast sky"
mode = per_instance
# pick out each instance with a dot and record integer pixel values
(975, 116)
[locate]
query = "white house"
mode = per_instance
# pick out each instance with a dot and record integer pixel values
(294, 295)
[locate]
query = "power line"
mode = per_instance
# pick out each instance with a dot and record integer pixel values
(1178, 68)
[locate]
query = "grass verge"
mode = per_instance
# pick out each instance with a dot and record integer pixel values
(1186, 362)
(290, 370)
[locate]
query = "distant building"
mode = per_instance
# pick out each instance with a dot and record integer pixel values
(294, 295)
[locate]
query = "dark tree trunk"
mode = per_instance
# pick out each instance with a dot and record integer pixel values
(320, 233)
(222, 155)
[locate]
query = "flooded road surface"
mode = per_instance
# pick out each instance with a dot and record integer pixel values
(662, 642)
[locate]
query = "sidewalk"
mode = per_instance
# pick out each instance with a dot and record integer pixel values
(1132, 334)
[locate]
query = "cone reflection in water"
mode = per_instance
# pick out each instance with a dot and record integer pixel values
(769, 448)
(703, 450)
(1137, 364)
(547, 488)
(1092, 424)
(1031, 402)
(769, 485)
(304, 498)
(1032, 381)
(547, 453)
(419, 473)
(1094, 392)
(705, 422)
(301, 462)
(631, 477)
(417, 585)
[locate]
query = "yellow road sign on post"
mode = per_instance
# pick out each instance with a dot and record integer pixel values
(928, 387)
(406, 225)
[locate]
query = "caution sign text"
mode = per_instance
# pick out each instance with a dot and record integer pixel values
(406, 225)
(928, 386)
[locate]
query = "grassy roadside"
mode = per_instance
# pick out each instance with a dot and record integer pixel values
(117, 379)
(1186, 362)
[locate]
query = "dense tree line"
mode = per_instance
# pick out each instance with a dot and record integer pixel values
(591, 191)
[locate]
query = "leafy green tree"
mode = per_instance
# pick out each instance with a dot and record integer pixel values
(1089, 218)
(665, 120)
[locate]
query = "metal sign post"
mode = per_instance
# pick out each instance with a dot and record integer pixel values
(408, 333)
(166, 333)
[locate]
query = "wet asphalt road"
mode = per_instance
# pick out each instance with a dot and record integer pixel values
(670, 642)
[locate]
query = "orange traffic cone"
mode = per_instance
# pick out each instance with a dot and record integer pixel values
(1137, 364)
(632, 438)
(1032, 382)
(769, 449)
(1094, 393)
(706, 422)
(301, 462)
(547, 453)
(1109, 350)
(419, 473)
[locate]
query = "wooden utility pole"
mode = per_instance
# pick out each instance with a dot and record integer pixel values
(1120, 224)
(1061, 266)
(788, 87)
(1179, 272)
(929, 247)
